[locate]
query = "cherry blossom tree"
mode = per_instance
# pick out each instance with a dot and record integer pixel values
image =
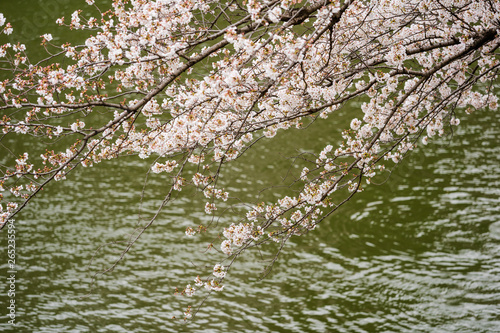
(196, 84)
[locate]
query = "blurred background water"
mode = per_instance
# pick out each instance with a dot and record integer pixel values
(419, 253)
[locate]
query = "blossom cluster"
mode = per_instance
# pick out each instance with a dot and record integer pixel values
(195, 84)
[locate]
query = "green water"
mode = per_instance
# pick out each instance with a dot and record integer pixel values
(420, 253)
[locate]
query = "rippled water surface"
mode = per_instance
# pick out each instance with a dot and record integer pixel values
(420, 253)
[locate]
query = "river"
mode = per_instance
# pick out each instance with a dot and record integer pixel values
(419, 253)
